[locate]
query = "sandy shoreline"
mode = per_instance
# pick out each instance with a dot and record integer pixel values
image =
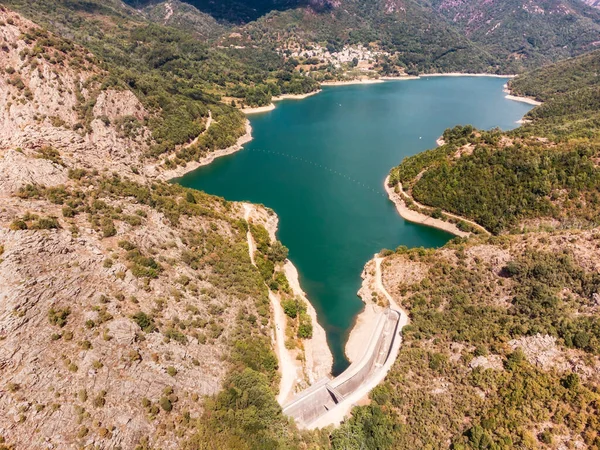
(193, 165)
(523, 99)
(458, 74)
(271, 106)
(319, 360)
(417, 217)
(349, 82)
(407, 77)
(516, 98)
(366, 320)
(294, 96)
(259, 109)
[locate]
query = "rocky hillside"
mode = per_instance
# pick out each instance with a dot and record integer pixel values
(57, 113)
(178, 14)
(526, 33)
(593, 3)
(501, 352)
(127, 303)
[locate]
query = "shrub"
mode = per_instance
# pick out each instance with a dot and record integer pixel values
(46, 223)
(165, 404)
(18, 224)
(59, 317)
(144, 321)
(305, 327)
(278, 252)
(108, 227)
(290, 307)
(100, 399)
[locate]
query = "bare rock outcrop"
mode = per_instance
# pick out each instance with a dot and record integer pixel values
(17, 171)
(51, 96)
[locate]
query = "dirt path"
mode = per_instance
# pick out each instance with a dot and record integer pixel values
(454, 216)
(209, 122)
(419, 217)
(287, 367)
(381, 288)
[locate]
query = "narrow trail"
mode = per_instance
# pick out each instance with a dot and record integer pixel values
(288, 369)
(399, 200)
(449, 214)
(381, 288)
(209, 122)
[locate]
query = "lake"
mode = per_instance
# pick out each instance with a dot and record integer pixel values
(320, 164)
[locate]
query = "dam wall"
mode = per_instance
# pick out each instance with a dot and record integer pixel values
(327, 394)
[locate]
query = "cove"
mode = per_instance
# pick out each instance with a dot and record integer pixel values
(320, 164)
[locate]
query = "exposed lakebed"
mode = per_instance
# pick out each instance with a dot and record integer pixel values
(320, 164)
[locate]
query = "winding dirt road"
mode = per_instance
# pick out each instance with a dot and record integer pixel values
(287, 368)
(423, 219)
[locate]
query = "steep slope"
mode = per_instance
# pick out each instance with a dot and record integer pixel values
(240, 11)
(184, 16)
(54, 100)
(407, 34)
(525, 34)
(593, 3)
(126, 303)
(418, 36)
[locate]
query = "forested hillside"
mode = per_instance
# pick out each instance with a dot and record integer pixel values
(525, 34)
(241, 11)
(502, 351)
(415, 36)
(544, 172)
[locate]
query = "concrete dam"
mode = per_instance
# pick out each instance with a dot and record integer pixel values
(328, 400)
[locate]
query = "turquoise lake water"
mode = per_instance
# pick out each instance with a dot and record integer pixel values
(320, 164)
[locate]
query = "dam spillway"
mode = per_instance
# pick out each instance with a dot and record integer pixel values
(317, 406)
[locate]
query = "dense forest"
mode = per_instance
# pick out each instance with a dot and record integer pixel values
(238, 11)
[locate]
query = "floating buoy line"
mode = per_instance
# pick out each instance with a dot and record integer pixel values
(321, 166)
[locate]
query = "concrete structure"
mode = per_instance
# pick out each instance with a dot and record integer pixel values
(328, 400)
